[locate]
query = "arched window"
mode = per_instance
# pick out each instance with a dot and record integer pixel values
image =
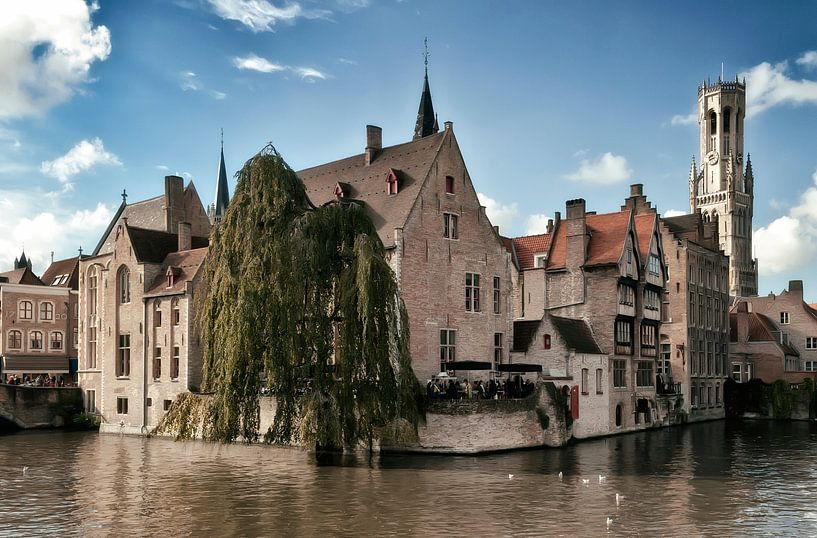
(56, 341)
(618, 415)
(124, 285)
(46, 311)
(93, 283)
(727, 118)
(157, 314)
(713, 123)
(26, 310)
(15, 339)
(35, 340)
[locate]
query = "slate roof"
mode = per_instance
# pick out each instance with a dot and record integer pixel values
(68, 267)
(523, 333)
(187, 262)
(528, 246)
(577, 334)
(153, 246)
(412, 163)
(23, 275)
(607, 234)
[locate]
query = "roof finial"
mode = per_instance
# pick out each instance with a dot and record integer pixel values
(124, 196)
(222, 139)
(425, 53)
(80, 252)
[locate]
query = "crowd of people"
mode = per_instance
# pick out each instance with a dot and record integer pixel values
(41, 380)
(453, 389)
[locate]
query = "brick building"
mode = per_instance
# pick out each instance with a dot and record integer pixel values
(600, 279)
(452, 268)
(139, 348)
(39, 320)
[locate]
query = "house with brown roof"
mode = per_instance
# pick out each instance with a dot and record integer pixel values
(454, 273)
(139, 346)
(760, 349)
(595, 282)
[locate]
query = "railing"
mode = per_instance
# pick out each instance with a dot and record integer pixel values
(669, 389)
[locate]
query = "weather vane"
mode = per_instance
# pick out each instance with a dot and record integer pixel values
(425, 54)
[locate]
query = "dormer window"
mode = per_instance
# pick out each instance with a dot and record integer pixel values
(341, 190)
(449, 184)
(171, 274)
(391, 182)
(540, 260)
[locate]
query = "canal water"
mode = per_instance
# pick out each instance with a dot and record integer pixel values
(718, 478)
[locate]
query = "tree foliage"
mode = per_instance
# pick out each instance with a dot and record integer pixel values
(301, 299)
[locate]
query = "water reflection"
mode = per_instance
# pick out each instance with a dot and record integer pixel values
(715, 478)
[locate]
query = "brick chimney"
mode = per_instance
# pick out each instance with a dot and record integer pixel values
(550, 226)
(796, 287)
(185, 236)
(637, 202)
(174, 203)
(576, 233)
(742, 313)
(374, 143)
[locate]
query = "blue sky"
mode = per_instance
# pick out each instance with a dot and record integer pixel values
(550, 101)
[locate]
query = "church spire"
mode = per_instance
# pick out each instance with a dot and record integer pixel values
(426, 120)
(219, 207)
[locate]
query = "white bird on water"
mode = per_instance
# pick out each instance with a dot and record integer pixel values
(619, 498)
(609, 522)
(561, 475)
(602, 478)
(25, 469)
(585, 481)
(510, 477)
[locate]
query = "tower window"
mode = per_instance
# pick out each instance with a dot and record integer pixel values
(727, 117)
(713, 122)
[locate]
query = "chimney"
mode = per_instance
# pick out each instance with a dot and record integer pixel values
(636, 189)
(185, 236)
(496, 229)
(576, 233)
(449, 125)
(374, 142)
(550, 226)
(637, 202)
(174, 203)
(743, 321)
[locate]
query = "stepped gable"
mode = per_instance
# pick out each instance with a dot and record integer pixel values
(153, 246)
(23, 275)
(528, 246)
(184, 265)
(411, 162)
(576, 334)
(523, 333)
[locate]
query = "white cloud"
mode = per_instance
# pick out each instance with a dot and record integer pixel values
(25, 223)
(789, 242)
(674, 213)
(189, 81)
(689, 119)
(537, 224)
(83, 156)
(580, 153)
(346, 61)
(309, 74)
(262, 15)
(47, 48)
(769, 85)
(162, 167)
(499, 214)
(605, 170)
(808, 59)
(256, 63)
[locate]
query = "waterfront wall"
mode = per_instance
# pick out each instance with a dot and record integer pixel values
(38, 407)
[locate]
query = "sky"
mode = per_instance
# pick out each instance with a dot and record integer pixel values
(550, 101)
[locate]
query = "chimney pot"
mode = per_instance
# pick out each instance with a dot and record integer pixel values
(637, 189)
(575, 209)
(550, 226)
(374, 142)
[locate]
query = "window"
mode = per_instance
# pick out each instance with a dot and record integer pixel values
(90, 401)
(654, 265)
(176, 312)
(585, 381)
(123, 358)
(811, 342)
(546, 341)
(709, 400)
(497, 349)
(391, 183)
(626, 295)
(736, 372)
(718, 393)
(652, 301)
(471, 292)
(157, 315)
(624, 337)
(91, 346)
(791, 363)
(693, 395)
(122, 406)
(157, 363)
(540, 260)
(784, 318)
(709, 358)
(15, 339)
(35, 340)
(450, 226)
(449, 185)
(46, 311)
(75, 338)
(811, 366)
(709, 311)
(618, 415)
(92, 291)
(665, 364)
(599, 379)
(620, 373)
(649, 335)
(174, 363)
(643, 375)
(692, 308)
(124, 285)
(629, 256)
(56, 341)
(448, 347)
(166, 404)
(497, 296)
(26, 310)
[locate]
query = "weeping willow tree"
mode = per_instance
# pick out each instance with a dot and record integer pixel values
(301, 299)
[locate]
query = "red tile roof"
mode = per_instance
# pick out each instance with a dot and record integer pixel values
(186, 265)
(63, 274)
(607, 231)
(528, 246)
(644, 224)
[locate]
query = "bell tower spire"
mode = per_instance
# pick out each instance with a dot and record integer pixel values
(426, 120)
(219, 206)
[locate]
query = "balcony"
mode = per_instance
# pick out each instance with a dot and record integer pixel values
(669, 389)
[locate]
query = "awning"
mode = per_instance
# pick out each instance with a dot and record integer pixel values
(468, 365)
(35, 365)
(520, 367)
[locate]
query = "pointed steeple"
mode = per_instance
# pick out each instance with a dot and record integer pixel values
(22, 262)
(222, 199)
(426, 120)
(693, 185)
(749, 175)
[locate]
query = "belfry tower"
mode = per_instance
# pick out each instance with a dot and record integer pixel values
(723, 188)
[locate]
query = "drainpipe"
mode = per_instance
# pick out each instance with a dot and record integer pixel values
(145, 368)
